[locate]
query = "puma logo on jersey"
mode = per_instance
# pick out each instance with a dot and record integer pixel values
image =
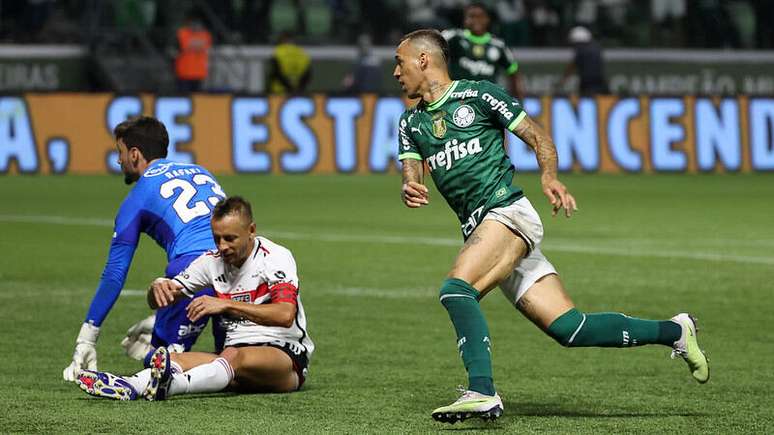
(416, 129)
(453, 150)
(498, 106)
(477, 67)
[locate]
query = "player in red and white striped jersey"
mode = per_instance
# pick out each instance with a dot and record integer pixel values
(267, 348)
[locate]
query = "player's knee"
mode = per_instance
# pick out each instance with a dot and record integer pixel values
(454, 288)
(231, 354)
(566, 327)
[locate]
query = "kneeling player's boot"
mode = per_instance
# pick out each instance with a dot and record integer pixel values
(161, 375)
(470, 404)
(688, 348)
(103, 384)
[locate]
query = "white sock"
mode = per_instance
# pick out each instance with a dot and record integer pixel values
(140, 380)
(206, 378)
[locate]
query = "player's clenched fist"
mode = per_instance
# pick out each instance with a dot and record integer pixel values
(163, 292)
(414, 194)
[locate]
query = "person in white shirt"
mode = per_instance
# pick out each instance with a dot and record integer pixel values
(267, 347)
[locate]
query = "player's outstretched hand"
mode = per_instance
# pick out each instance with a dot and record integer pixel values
(205, 306)
(414, 194)
(164, 291)
(559, 197)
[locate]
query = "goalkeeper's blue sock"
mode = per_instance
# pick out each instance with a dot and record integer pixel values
(146, 362)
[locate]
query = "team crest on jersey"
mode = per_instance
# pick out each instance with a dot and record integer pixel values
(439, 124)
(493, 54)
(463, 116)
(478, 50)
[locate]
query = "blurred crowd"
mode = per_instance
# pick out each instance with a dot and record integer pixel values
(539, 23)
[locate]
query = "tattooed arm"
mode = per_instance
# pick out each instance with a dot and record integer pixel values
(534, 136)
(413, 193)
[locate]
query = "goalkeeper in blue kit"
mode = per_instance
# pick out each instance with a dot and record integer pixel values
(170, 202)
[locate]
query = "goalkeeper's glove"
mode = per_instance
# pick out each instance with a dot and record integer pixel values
(85, 354)
(137, 342)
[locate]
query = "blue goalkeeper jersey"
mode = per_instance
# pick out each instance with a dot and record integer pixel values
(171, 203)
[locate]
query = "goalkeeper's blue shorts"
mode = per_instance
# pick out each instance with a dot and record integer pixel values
(173, 327)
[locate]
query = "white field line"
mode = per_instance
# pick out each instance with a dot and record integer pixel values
(382, 293)
(587, 247)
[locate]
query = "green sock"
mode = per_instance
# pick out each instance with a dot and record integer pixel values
(461, 301)
(576, 329)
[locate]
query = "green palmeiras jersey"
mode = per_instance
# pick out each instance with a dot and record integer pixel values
(478, 57)
(461, 139)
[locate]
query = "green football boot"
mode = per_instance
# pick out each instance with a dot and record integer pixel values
(688, 348)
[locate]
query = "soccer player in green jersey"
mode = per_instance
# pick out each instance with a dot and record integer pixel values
(456, 129)
(475, 54)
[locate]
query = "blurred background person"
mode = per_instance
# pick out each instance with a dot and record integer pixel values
(290, 67)
(366, 76)
(192, 62)
(587, 63)
(475, 54)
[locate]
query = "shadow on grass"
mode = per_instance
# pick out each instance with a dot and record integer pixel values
(585, 411)
(200, 396)
(516, 410)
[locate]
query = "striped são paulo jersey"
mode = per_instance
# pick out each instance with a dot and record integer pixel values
(267, 276)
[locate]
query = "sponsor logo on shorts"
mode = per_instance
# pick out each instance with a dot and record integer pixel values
(190, 329)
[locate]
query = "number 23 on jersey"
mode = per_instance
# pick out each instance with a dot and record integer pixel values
(187, 191)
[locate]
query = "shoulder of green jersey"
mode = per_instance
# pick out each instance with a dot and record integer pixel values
(451, 33)
(409, 112)
(497, 42)
(496, 99)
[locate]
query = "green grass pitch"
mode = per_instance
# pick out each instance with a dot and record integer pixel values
(648, 246)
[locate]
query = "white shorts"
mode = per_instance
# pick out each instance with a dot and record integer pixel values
(524, 220)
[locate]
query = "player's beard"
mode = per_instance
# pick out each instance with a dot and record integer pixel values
(130, 178)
